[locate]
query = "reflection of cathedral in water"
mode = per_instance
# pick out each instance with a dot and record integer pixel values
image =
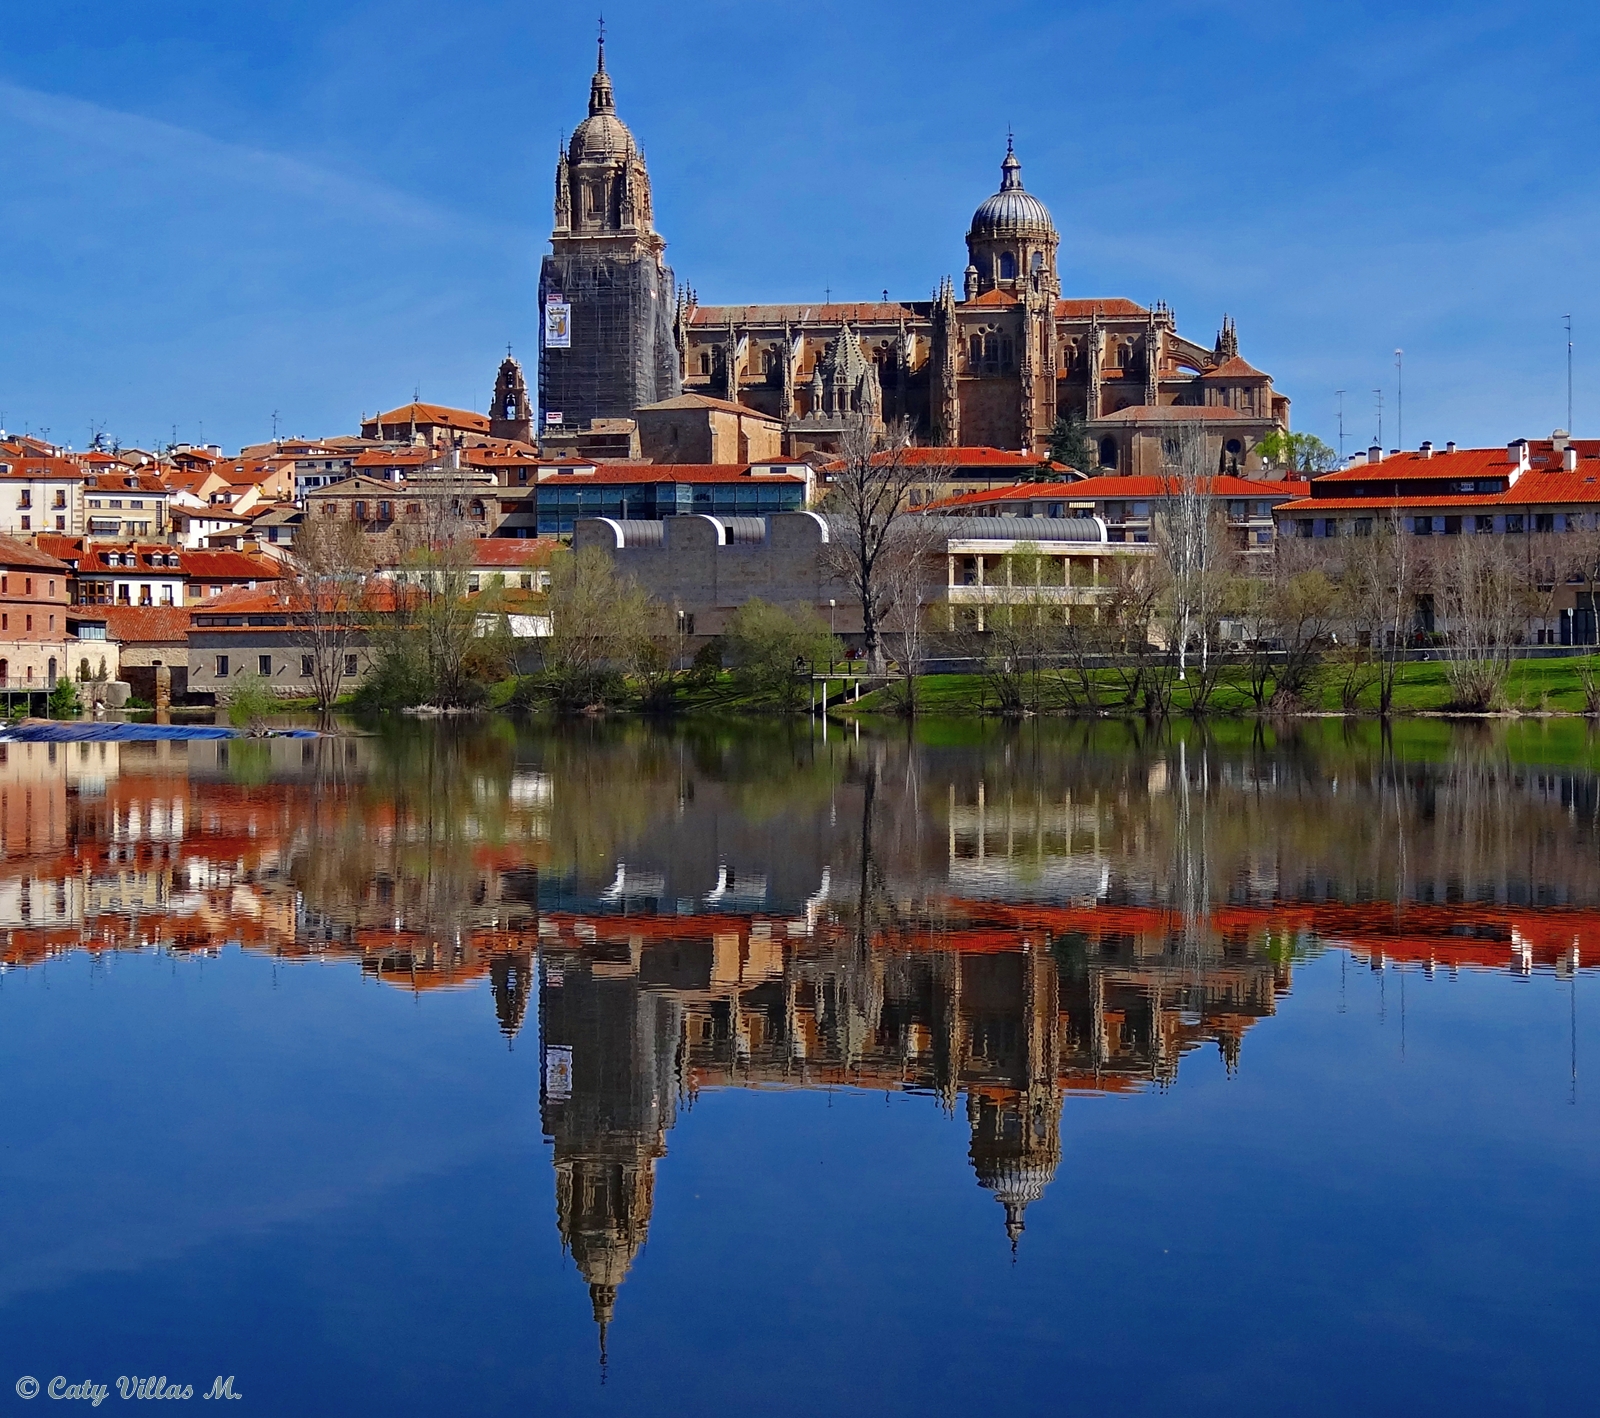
(636, 1018)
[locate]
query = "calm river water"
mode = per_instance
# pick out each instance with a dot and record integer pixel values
(651, 1071)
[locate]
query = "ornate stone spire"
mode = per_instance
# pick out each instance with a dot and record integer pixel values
(600, 99)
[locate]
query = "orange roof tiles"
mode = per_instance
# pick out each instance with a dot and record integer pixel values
(1114, 306)
(671, 473)
(18, 553)
(433, 415)
(206, 565)
(1101, 488)
(136, 625)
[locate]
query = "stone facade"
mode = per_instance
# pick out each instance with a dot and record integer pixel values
(606, 262)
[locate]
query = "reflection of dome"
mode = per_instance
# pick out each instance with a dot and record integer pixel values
(1015, 1184)
(1016, 1148)
(1012, 211)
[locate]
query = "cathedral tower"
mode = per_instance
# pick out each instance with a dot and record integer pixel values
(611, 349)
(1011, 245)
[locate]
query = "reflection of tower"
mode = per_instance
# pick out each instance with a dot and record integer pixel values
(1013, 1099)
(510, 980)
(608, 1097)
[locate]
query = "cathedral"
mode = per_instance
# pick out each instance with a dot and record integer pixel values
(994, 362)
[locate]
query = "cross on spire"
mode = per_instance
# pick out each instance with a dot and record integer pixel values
(602, 42)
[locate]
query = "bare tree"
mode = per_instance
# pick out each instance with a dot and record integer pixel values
(596, 618)
(911, 553)
(1378, 583)
(1191, 541)
(1487, 601)
(868, 498)
(328, 603)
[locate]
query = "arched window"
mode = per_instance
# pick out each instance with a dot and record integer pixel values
(985, 266)
(1037, 264)
(1108, 452)
(52, 669)
(1008, 266)
(705, 364)
(1235, 448)
(976, 354)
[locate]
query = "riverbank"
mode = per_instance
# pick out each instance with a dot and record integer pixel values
(1545, 686)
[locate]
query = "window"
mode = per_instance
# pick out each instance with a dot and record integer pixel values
(27, 523)
(1544, 522)
(1422, 526)
(95, 502)
(685, 622)
(306, 667)
(1008, 266)
(145, 598)
(61, 499)
(30, 623)
(52, 590)
(1363, 526)
(222, 667)
(264, 664)
(5, 621)
(1108, 452)
(61, 524)
(1302, 527)
(1513, 521)
(122, 593)
(472, 585)
(383, 512)
(1483, 523)
(136, 502)
(361, 511)
(25, 497)
(1452, 526)
(214, 590)
(350, 665)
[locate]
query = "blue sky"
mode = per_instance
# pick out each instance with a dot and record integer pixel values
(221, 211)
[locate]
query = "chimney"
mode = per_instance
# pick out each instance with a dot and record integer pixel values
(1426, 449)
(1375, 453)
(1569, 458)
(1517, 456)
(1450, 447)
(1559, 439)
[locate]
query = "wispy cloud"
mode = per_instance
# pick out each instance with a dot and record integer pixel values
(111, 133)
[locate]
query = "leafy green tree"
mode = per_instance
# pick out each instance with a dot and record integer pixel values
(775, 651)
(1070, 444)
(1302, 454)
(64, 701)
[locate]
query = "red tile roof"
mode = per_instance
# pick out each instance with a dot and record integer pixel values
(206, 565)
(1235, 368)
(669, 473)
(1103, 488)
(703, 401)
(19, 553)
(1546, 483)
(512, 551)
(874, 312)
(134, 625)
(1114, 306)
(431, 415)
(1463, 463)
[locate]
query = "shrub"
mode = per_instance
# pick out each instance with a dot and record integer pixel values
(64, 702)
(775, 651)
(250, 701)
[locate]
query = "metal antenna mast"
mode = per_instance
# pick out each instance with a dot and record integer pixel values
(1379, 394)
(1400, 399)
(1568, 320)
(1339, 394)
